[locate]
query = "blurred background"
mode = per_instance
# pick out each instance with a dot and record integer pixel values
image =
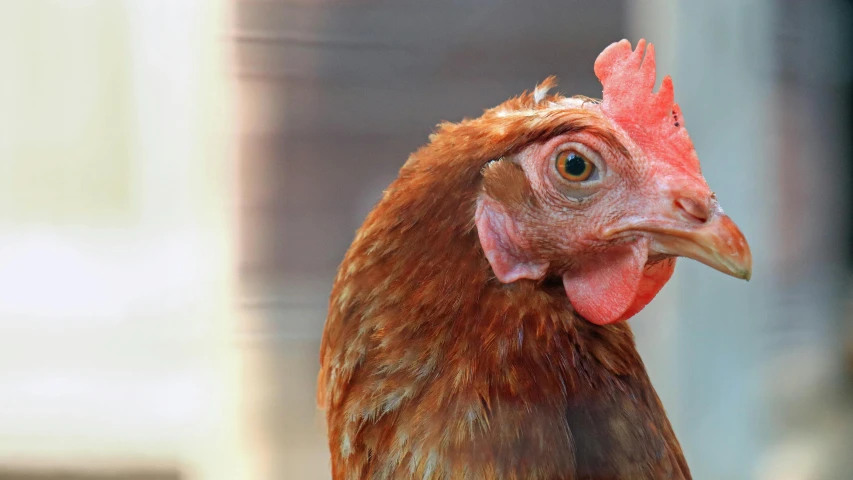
(180, 179)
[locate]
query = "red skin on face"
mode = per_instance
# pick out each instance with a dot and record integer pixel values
(615, 283)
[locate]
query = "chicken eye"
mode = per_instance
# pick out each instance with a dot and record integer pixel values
(574, 167)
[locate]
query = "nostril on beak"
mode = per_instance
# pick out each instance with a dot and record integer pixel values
(693, 210)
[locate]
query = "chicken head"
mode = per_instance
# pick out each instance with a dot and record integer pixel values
(607, 205)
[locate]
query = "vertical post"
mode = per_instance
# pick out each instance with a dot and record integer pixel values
(719, 55)
(116, 238)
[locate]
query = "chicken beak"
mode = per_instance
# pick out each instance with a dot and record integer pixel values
(715, 241)
(718, 243)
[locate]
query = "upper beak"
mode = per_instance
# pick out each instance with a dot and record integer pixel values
(715, 241)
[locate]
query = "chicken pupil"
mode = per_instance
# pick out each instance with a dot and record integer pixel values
(575, 165)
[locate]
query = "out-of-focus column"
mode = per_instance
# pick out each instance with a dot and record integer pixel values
(116, 225)
(706, 355)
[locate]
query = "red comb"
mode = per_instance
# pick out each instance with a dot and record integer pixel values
(652, 120)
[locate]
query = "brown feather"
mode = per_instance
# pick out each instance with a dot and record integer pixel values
(432, 369)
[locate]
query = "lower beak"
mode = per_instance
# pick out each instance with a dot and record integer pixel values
(717, 242)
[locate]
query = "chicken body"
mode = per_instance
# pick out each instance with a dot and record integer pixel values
(459, 343)
(486, 381)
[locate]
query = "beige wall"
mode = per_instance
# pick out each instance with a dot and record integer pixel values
(115, 235)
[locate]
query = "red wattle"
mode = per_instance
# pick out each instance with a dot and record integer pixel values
(654, 278)
(617, 284)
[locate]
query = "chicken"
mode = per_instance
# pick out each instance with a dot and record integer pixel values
(476, 325)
